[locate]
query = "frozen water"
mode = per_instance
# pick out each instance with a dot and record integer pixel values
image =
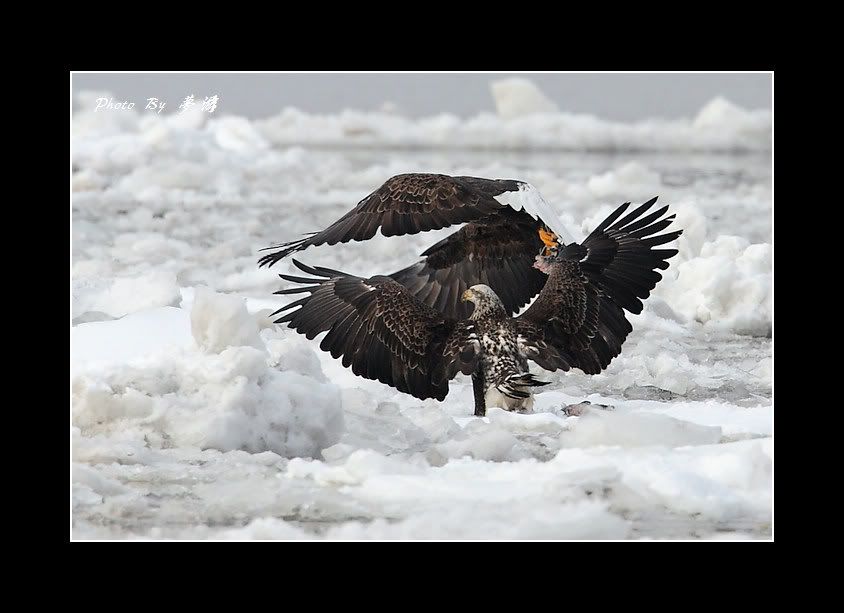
(520, 97)
(194, 417)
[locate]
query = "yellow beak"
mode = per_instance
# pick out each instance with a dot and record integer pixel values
(466, 295)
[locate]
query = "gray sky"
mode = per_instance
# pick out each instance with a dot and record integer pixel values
(613, 96)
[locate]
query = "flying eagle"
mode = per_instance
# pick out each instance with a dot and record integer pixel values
(507, 224)
(385, 332)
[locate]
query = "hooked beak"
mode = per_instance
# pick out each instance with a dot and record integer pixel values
(467, 295)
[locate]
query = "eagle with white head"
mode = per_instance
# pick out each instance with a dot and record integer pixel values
(452, 312)
(504, 221)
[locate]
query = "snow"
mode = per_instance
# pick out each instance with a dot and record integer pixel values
(549, 131)
(219, 321)
(133, 336)
(195, 417)
(727, 286)
(526, 119)
(119, 296)
(520, 97)
(214, 390)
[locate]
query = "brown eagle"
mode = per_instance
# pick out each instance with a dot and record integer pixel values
(387, 330)
(507, 223)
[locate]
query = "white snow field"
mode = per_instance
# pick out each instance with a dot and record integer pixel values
(195, 417)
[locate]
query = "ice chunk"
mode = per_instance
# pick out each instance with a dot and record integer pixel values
(219, 321)
(119, 296)
(226, 400)
(519, 97)
(727, 287)
(136, 335)
(599, 427)
(263, 528)
(237, 134)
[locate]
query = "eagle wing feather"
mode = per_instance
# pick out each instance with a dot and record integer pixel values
(381, 330)
(407, 204)
(499, 253)
(578, 318)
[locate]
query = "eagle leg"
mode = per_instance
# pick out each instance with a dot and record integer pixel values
(478, 389)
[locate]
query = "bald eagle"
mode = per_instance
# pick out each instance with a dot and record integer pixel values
(507, 224)
(384, 331)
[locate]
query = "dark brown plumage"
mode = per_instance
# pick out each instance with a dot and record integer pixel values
(496, 247)
(499, 253)
(385, 331)
(580, 311)
(381, 331)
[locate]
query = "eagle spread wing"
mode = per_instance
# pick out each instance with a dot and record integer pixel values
(406, 204)
(578, 319)
(496, 247)
(381, 330)
(500, 255)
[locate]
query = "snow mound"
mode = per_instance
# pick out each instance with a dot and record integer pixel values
(727, 287)
(525, 118)
(219, 321)
(632, 181)
(624, 429)
(237, 134)
(134, 336)
(720, 113)
(578, 494)
(520, 97)
(264, 529)
(482, 441)
(119, 296)
(548, 131)
(228, 399)
(579, 521)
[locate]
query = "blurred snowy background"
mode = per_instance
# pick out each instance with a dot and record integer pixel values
(193, 416)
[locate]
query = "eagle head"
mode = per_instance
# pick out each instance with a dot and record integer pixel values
(484, 299)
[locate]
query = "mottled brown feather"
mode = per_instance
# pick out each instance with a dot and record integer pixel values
(578, 318)
(407, 204)
(382, 331)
